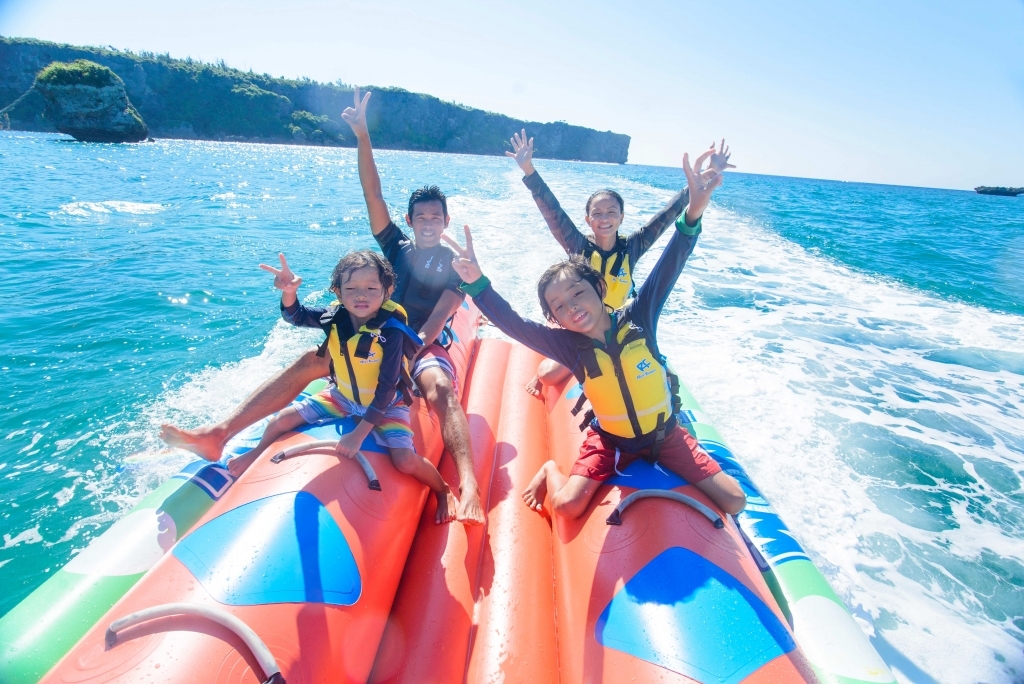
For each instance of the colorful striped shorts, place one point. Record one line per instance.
(394, 431)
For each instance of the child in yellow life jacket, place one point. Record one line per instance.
(614, 355)
(612, 255)
(368, 340)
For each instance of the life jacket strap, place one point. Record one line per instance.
(351, 370)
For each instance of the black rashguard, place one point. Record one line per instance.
(575, 242)
(563, 345)
(421, 274)
(390, 365)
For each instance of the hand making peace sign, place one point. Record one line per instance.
(284, 280)
(355, 116)
(465, 263)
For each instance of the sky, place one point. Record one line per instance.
(883, 91)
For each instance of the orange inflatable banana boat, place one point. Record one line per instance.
(290, 576)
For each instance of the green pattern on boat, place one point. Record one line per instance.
(825, 630)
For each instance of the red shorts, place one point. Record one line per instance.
(679, 453)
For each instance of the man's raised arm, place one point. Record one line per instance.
(377, 208)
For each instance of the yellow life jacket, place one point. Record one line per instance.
(617, 273)
(632, 391)
(359, 358)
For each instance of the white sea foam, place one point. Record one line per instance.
(109, 207)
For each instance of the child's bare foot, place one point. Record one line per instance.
(207, 442)
(534, 494)
(240, 464)
(447, 504)
(534, 387)
(470, 511)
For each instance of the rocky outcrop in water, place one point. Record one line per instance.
(88, 101)
(1007, 192)
(188, 99)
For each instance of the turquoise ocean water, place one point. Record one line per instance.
(860, 346)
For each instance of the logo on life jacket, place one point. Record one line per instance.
(645, 369)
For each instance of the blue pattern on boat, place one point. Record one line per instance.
(688, 615)
(284, 548)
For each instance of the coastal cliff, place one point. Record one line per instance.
(189, 99)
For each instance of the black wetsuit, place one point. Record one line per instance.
(620, 283)
(421, 274)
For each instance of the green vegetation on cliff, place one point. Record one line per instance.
(79, 72)
(189, 99)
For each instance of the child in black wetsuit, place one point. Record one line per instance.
(614, 355)
(613, 255)
(368, 341)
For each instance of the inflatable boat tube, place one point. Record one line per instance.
(301, 552)
(37, 632)
(428, 632)
(826, 631)
(654, 584)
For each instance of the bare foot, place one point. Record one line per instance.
(240, 464)
(534, 387)
(207, 442)
(534, 494)
(471, 512)
(446, 506)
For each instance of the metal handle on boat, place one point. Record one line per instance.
(616, 517)
(371, 476)
(255, 645)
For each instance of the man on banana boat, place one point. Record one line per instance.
(612, 255)
(426, 286)
(614, 355)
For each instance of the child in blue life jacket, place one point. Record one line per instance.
(614, 355)
(368, 340)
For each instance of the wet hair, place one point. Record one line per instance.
(575, 267)
(606, 193)
(353, 261)
(430, 193)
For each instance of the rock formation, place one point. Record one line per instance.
(88, 101)
(1008, 192)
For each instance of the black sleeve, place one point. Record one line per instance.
(553, 343)
(650, 299)
(302, 316)
(390, 240)
(642, 240)
(559, 223)
(387, 379)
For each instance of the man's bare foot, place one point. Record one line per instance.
(535, 492)
(471, 511)
(534, 387)
(207, 442)
(240, 464)
(446, 507)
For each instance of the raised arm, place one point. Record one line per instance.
(291, 310)
(654, 292)
(376, 207)
(559, 223)
(552, 343)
